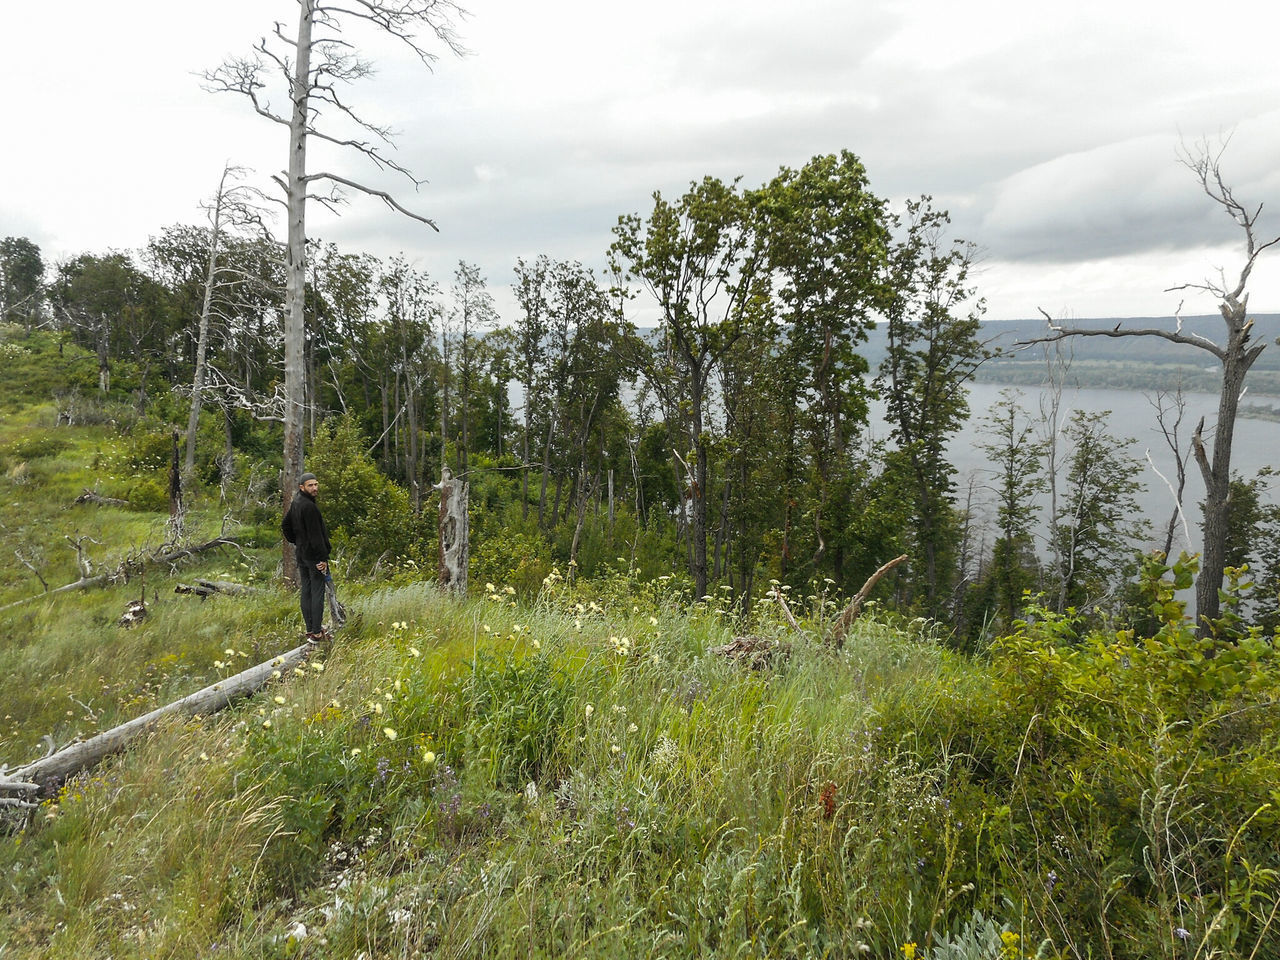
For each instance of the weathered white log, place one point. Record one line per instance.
(49, 773)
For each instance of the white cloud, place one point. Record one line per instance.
(1051, 134)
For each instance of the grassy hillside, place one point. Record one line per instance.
(575, 771)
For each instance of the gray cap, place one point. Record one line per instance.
(305, 477)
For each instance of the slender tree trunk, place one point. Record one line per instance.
(722, 533)
(295, 272)
(411, 461)
(698, 533)
(555, 508)
(202, 336)
(524, 459)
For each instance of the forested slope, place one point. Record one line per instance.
(555, 768)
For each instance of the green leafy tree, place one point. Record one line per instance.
(934, 350)
(825, 239)
(21, 281)
(1016, 480)
(531, 329)
(1099, 522)
(111, 307)
(368, 515)
(697, 258)
(473, 314)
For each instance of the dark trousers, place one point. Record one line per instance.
(311, 594)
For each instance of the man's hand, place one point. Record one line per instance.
(322, 567)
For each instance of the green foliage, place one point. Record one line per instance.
(933, 351)
(366, 513)
(519, 712)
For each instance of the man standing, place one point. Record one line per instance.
(312, 541)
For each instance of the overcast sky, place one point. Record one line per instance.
(1050, 131)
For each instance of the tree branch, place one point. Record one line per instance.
(382, 195)
(1062, 333)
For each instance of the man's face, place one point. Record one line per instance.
(312, 487)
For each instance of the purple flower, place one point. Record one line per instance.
(1183, 934)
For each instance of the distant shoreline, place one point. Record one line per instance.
(1264, 385)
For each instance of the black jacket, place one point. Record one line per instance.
(309, 533)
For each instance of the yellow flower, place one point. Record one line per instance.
(388, 733)
(614, 748)
(589, 711)
(415, 652)
(428, 757)
(278, 699)
(909, 950)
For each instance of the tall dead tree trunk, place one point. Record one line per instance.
(1236, 355)
(315, 65)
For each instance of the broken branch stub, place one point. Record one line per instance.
(854, 610)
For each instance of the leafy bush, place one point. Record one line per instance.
(363, 509)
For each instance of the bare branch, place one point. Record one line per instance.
(382, 195)
(1061, 333)
(399, 19)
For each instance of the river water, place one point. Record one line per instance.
(1131, 414)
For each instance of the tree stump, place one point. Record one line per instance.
(454, 531)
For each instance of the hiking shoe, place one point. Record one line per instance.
(314, 637)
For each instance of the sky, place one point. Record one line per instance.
(1051, 132)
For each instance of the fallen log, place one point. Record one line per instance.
(758, 653)
(46, 775)
(205, 588)
(127, 568)
(92, 496)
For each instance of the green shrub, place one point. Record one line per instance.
(366, 510)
